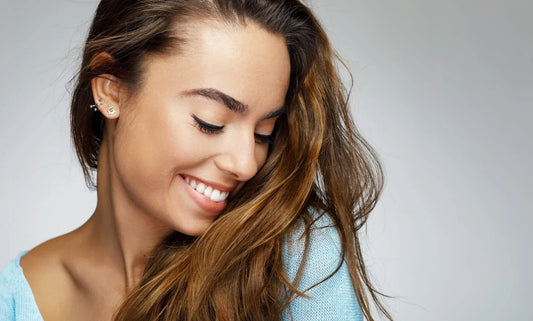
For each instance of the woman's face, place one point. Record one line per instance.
(198, 127)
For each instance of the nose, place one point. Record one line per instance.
(239, 159)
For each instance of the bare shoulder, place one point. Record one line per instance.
(69, 281)
(49, 279)
(46, 261)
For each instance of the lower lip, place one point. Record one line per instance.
(204, 202)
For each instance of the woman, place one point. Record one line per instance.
(231, 181)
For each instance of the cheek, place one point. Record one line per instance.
(261, 154)
(153, 146)
(142, 151)
(136, 157)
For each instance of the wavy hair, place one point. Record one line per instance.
(234, 271)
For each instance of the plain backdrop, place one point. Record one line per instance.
(442, 89)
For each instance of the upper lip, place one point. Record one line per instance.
(218, 186)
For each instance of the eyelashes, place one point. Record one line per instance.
(211, 129)
(264, 139)
(206, 127)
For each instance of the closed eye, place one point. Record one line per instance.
(212, 129)
(264, 139)
(206, 127)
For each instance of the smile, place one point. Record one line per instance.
(214, 194)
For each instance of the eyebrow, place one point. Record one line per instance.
(228, 101)
(216, 95)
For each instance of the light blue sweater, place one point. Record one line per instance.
(332, 300)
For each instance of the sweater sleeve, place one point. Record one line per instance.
(7, 303)
(16, 299)
(332, 300)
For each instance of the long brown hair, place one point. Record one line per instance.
(235, 271)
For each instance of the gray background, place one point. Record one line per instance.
(443, 90)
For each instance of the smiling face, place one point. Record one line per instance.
(199, 126)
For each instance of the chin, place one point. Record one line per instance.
(194, 228)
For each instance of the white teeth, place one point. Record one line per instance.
(200, 188)
(214, 194)
(208, 191)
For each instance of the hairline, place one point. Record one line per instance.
(177, 45)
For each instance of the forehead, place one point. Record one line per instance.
(246, 62)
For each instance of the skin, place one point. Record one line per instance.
(150, 144)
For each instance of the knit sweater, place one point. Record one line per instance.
(332, 300)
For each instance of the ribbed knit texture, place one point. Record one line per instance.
(16, 299)
(332, 300)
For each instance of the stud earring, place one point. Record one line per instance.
(94, 107)
(111, 111)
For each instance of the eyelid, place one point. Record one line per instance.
(268, 139)
(206, 127)
(211, 129)
(265, 139)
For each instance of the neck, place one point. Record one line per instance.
(121, 232)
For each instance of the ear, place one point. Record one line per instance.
(105, 88)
